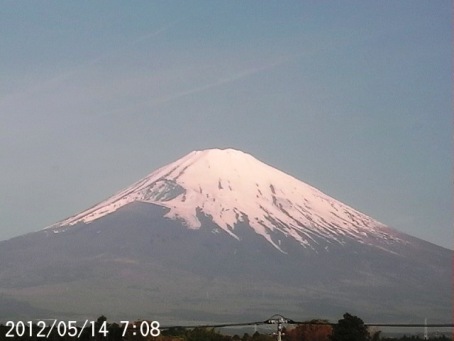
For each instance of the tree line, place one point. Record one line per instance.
(349, 328)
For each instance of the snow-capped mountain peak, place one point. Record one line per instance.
(231, 187)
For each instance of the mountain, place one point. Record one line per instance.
(220, 236)
(231, 187)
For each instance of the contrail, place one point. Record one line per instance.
(55, 80)
(157, 32)
(225, 80)
(99, 58)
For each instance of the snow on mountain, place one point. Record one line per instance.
(233, 187)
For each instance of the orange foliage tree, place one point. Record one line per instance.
(315, 330)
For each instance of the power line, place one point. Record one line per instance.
(278, 319)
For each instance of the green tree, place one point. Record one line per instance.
(350, 328)
(115, 332)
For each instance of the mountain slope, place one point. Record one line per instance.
(220, 236)
(231, 186)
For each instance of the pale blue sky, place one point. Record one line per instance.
(352, 97)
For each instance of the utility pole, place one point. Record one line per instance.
(426, 334)
(279, 331)
(279, 320)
